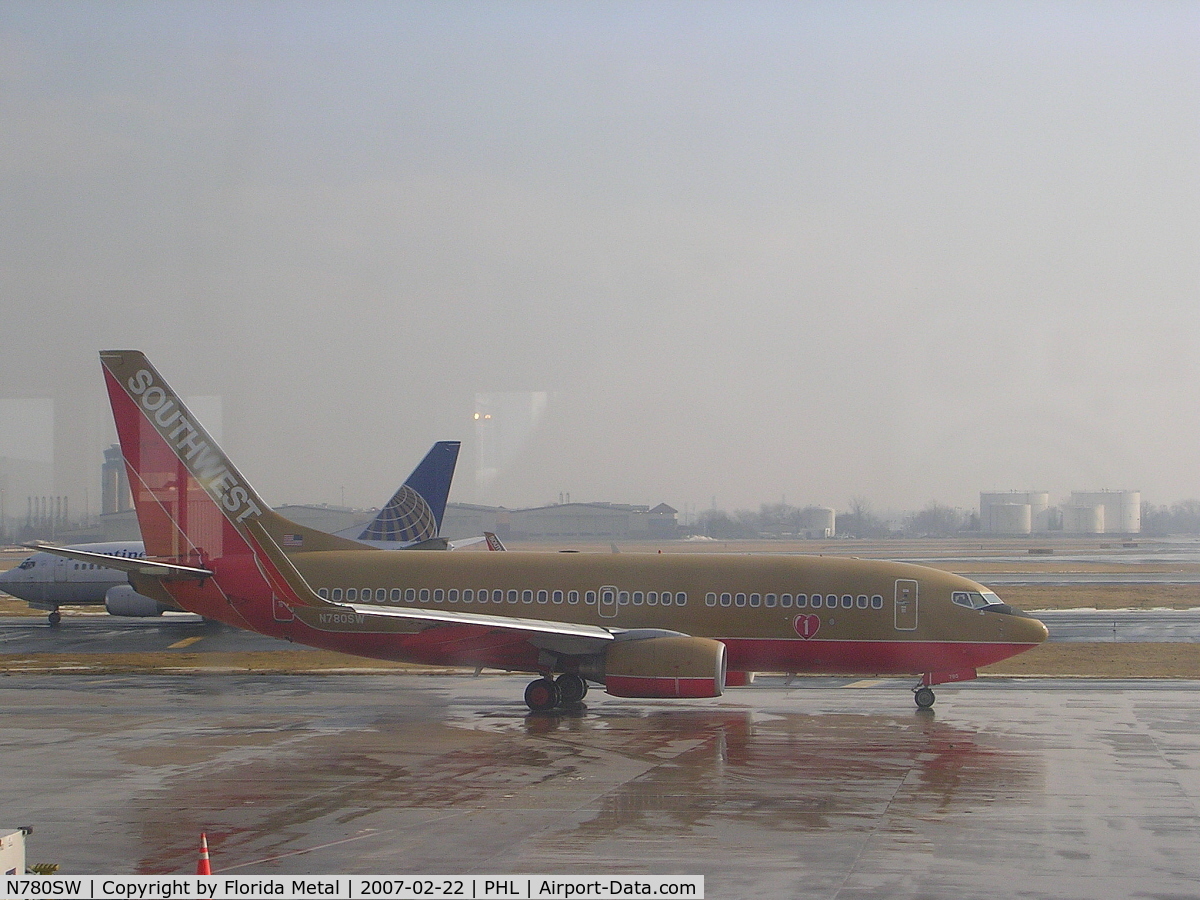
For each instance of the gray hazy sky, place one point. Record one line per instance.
(908, 251)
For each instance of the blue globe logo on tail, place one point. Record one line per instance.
(407, 517)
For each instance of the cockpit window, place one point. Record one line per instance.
(975, 599)
(28, 563)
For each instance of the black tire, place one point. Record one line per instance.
(571, 688)
(924, 697)
(542, 695)
(54, 617)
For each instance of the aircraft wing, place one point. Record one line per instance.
(565, 637)
(141, 566)
(508, 623)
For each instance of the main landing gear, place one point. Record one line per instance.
(547, 693)
(924, 696)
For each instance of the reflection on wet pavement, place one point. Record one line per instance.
(819, 789)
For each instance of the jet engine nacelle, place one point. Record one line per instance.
(123, 600)
(665, 667)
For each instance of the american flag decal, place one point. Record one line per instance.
(293, 540)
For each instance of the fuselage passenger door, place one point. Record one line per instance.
(905, 606)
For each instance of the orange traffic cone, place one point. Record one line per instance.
(202, 867)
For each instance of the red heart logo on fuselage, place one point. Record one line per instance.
(807, 626)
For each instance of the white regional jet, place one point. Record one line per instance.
(412, 519)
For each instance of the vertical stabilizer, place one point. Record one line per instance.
(415, 512)
(193, 506)
(190, 499)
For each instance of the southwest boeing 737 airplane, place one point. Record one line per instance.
(641, 625)
(412, 519)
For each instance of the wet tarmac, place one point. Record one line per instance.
(826, 788)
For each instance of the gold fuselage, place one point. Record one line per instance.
(722, 596)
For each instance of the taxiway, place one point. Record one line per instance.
(826, 788)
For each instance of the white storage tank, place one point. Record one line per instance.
(1008, 518)
(819, 522)
(1081, 518)
(1121, 511)
(994, 519)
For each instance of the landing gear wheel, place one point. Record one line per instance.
(54, 617)
(924, 697)
(542, 695)
(571, 688)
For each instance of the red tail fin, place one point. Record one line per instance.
(193, 505)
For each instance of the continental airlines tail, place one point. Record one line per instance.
(414, 514)
(642, 625)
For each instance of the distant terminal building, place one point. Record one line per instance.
(1103, 512)
(563, 520)
(1014, 512)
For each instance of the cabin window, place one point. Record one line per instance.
(438, 595)
(876, 601)
(816, 601)
(622, 598)
(666, 598)
(638, 598)
(468, 595)
(861, 601)
(770, 600)
(726, 598)
(543, 596)
(680, 599)
(573, 597)
(527, 596)
(513, 596)
(755, 599)
(380, 595)
(847, 601)
(739, 600)
(323, 593)
(424, 595)
(395, 595)
(710, 599)
(590, 598)
(410, 595)
(452, 595)
(337, 594)
(786, 600)
(558, 597)
(652, 598)
(351, 593)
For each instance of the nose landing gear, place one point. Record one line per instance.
(924, 696)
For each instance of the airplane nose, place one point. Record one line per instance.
(1032, 631)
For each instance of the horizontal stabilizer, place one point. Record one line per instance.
(126, 563)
